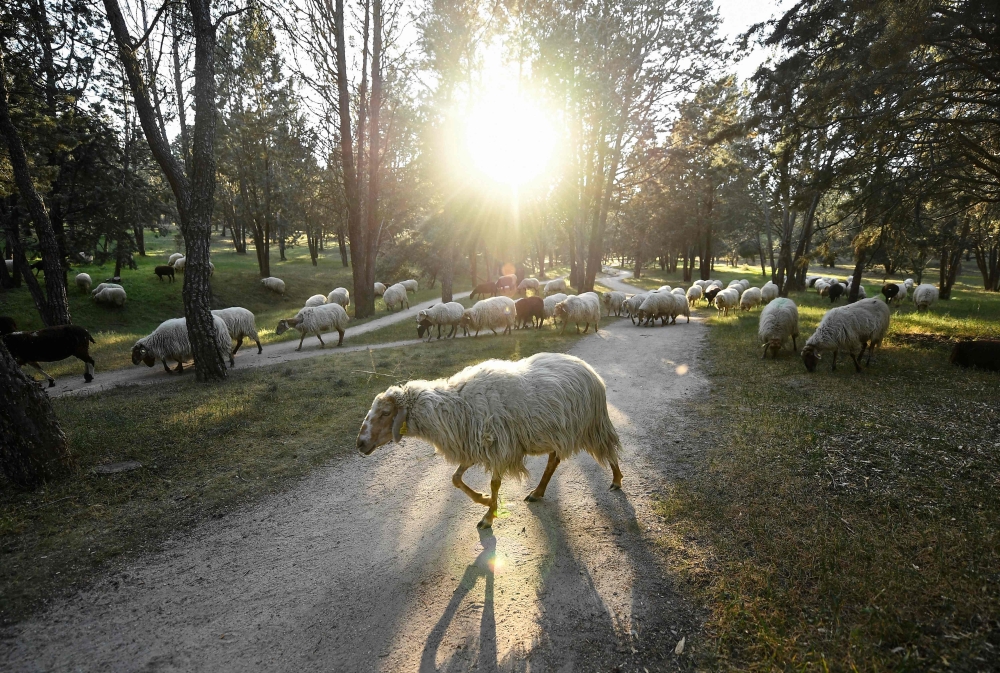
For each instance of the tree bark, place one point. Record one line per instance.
(365, 305)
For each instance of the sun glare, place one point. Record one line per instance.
(510, 142)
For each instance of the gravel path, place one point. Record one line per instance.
(375, 563)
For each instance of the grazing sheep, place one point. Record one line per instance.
(179, 263)
(174, 257)
(113, 296)
(694, 293)
(449, 313)
(851, 328)
(750, 299)
(529, 284)
(83, 281)
(340, 296)
(613, 302)
(273, 284)
(711, 293)
(811, 280)
(726, 300)
(101, 287)
(164, 270)
(507, 283)
(981, 353)
(529, 308)
(315, 300)
(778, 321)
(632, 304)
(703, 284)
(745, 284)
(395, 295)
(410, 285)
(495, 413)
(924, 296)
(768, 293)
(664, 288)
(822, 287)
(679, 291)
(379, 289)
(241, 325)
(169, 341)
(657, 305)
(890, 291)
(555, 285)
(583, 308)
(316, 320)
(51, 344)
(835, 291)
(7, 325)
(550, 304)
(492, 314)
(484, 289)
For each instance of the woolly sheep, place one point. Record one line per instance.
(703, 284)
(694, 293)
(529, 284)
(745, 284)
(103, 286)
(851, 328)
(174, 257)
(115, 296)
(632, 304)
(395, 295)
(379, 289)
(340, 296)
(727, 299)
(550, 303)
(681, 307)
(657, 305)
(315, 300)
(924, 296)
(410, 285)
(316, 320)
(778, 321)
(822, 287)
(680, 291)
(612, 302)
(49, 344)
(664, 288)
(180, 263)
(557, 285)
(734, 283)
(241, 325)
(83, 281)
(508, 282)
(768, 293)
(170, 341)
(583, 308)
(449, 314)
(492, 313)
(273, 284)
(495, 413)
(750, 299)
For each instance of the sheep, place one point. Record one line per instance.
(694, 293)
(51, 344)
(745, 284)
(811, 280)
(115, 296)
(750, 299)
(556, 285)
(734, 283)
(241, 324)
(449, 313)
(703, 284)
(632, 304)
(273, 284)
(164, 270)
(778, 321)
(507, 283)
(83, 281)
(410, 285)
(530, 308)
(379, 289)
(169, 341)
(982, 353)
(711, 293)
(492, 314)
(174, 257)
(484, 289)
(316, 320)
(680, 291)
(180, 263)
(835, 290)
(395, 295)
(7, 325)
(715, 283)
(890, 291)
(664, 288)
(657, 305)
(529, 284)
(727, 299)
(681, 307)
(822, 287)
(768, 293)
(583, 308)
(315, 300)
(550, 304)
(495, 413)
(851, 328)
(924, 296)
(103, 286)
(340, 296)
(613, 302)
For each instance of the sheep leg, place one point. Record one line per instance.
(165, 367)
(857, 367)
(833, 368)
(795, 346)
(340, 341)
(539, 491)
(585, 328)
(439, 331)
(322, 344)
(616, 478)
(300, 341)
(239, 342)
(52, 381)
(491, 513)
(767, 347)
(260, 349)
(180, 367)
(456, 480)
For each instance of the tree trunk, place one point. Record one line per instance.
(474, 259)
(637, 269)
(343, 247)
(365, 299)
(951, 263)
(179, 88)
(859, 267)
(800, 267)
(447, 271)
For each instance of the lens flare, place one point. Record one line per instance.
(510, 142)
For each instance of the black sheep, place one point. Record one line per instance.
(164, 270)
(711, 292)
(529, 307)
(835, 291)
(982, 353)
(889, 291)
(51, 344)
(484, 289)
(7, 325)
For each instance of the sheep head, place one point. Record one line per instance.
(384, 421)
(560, 310)
(140, 354)
(285, 325)
(423, 325)
(810, 357)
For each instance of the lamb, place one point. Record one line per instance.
(694, 293)
(484, 289)
(584, 308)
(497, 412)
(778, 321)
(115, 296)
(340, 296)
(492, 314)
(727, 299)
(550, 303)
(410, 285)
(507, 283)
(768, 293)
(529, 284)
(315, 300)
(164, 270)
(273, 284)
(924, 296)
(530, 308)
(180, 263)
(379, 289)
(851, 328)
(316, 320)
(750, 299)
(395, 295)
(555, 286)
(449, 314)
(613, 302)
(241, 324)
(51, 344)
(83, 281)
(174, 257)
(169, 341)
(982, 353)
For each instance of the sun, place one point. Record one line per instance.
(509, 141)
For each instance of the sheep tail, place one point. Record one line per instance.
(604, 441)
(89, 338)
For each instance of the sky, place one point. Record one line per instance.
(738, 16)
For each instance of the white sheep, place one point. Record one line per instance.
(340, 296)
(529, 284)
(681, 307)
(316, 320)
(410, 285)
(664, 288)
(315, 300)
(822, 287)
(379, 289)
(745, 284)
(750, 299)
(273, 284)
(632, 304)
(924, 296)
(115, 296)
(447, 314)
(170, 341)
(554, 286)
(612, 302)
(703, 284)
(694, 293)
(768, 293)
(241, 324)
(495, 413)
(778, 321)
(103, 286)
(179, 264)
(83, 281)
(852, 328)
(550, 303)
(582, 308)
(174, 257)
(657, 305)
(395, 295)
(492, 313)
(727, 299)
(680, 291)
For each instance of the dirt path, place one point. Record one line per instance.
(247, 357)
(375, 564)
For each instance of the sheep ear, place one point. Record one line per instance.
(397, 424)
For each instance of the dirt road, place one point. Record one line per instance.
(375, 563)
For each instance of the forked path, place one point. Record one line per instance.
(375, 563)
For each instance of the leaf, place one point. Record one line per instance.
(680, 646)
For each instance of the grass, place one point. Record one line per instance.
(846, 521)
(203, 454)
(236, 283)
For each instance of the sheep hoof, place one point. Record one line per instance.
(531, 497)
(615, 487)
(52, 384)
(485, 523)
(87, 378)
